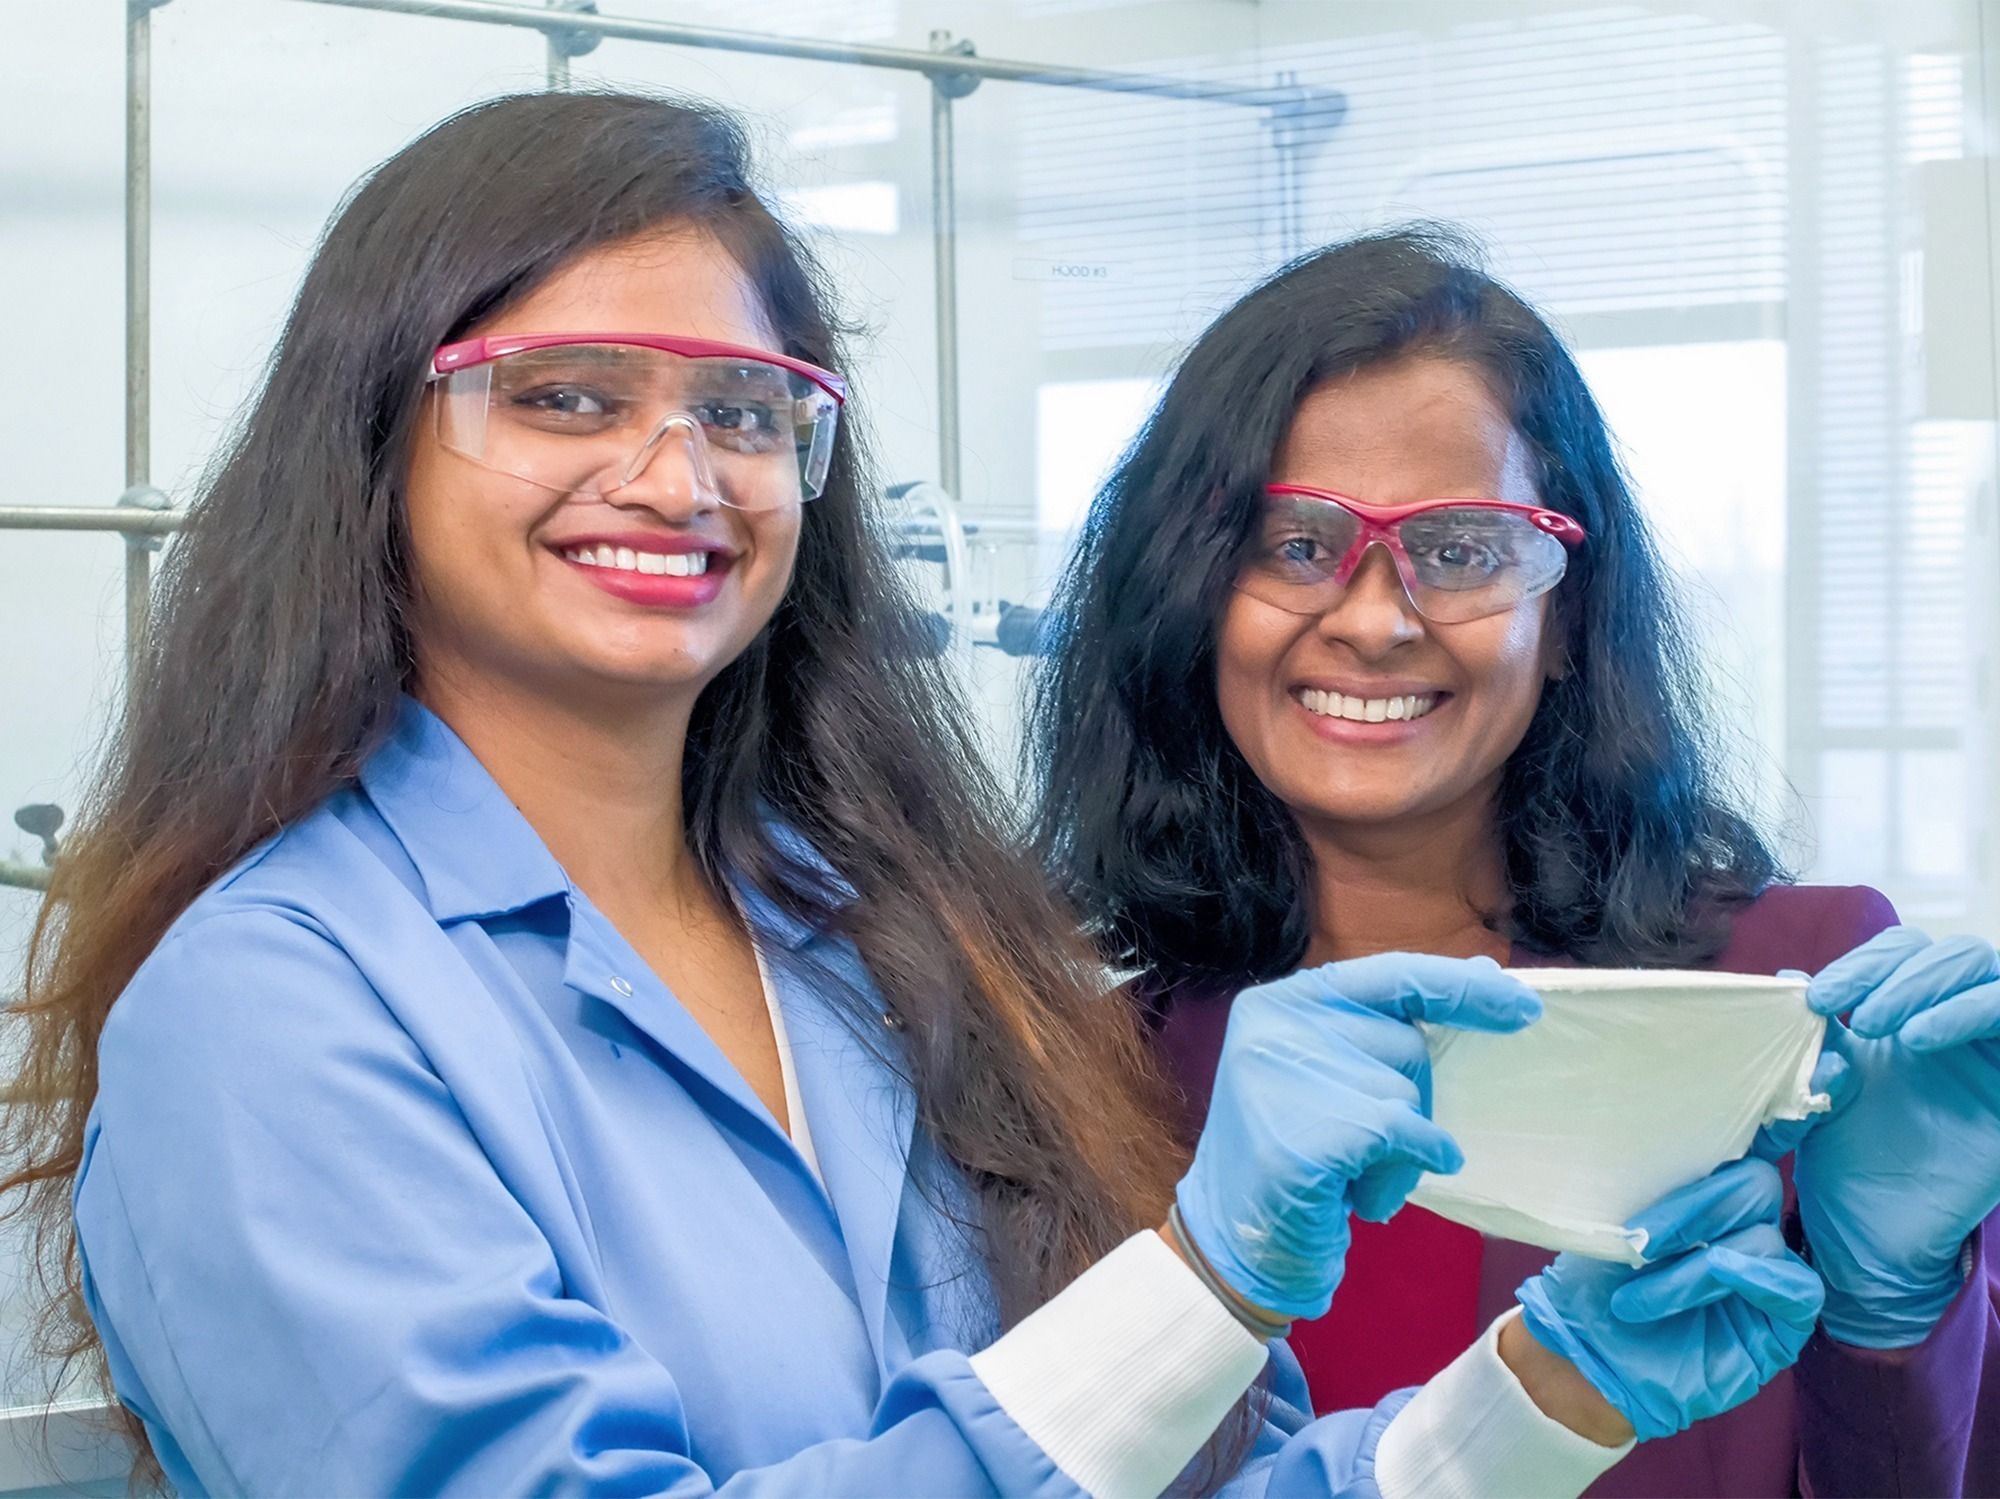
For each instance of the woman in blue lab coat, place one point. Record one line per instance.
(540, 1003)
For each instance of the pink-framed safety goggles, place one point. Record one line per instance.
(588, 413)
(1459, 559)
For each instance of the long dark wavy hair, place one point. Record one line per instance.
(280, 649)
(1622, 846)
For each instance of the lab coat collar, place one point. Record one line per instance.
(474, 851)
(479, 858)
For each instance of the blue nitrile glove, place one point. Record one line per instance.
(1321, 1107)
(1831, 1076)
(1891, 1185)
(1720, 1306)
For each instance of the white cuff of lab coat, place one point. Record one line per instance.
(1123, 1375)
(1474, 1433)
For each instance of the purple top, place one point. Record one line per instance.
(1845, 1421)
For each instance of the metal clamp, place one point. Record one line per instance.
(1303, 115)
(145, 497)
(572, 41)
(41, 821)
(952, 85)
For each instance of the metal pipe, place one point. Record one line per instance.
(500, 13)
(138, 594)
(1286, 145)
(93, 518)
(166, 522)
(566, 43)
(138, 304)
(987, 526)
(944, 259)
(138, 238)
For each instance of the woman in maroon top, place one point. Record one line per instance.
(1300, 712)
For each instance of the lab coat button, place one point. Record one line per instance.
(621, 986)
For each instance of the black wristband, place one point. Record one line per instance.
(1263, 1327)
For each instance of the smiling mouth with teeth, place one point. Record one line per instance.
(655, 564)
(1366, 709)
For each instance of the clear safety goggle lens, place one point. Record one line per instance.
(1457, 562)
(589, 419)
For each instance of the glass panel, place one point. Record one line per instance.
(1851, 814)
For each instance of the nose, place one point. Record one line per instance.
(1374, 613)
(671, 474)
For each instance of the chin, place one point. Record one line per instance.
(1360, 807)
(596, 675)
(663, 676)
(655, 656)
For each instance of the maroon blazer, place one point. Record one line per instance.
(1917, 1421)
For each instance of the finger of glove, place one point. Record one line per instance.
(1287, 1035)
(1840, 1041)
(1752, 1265)
(1404, 1138)
(1969, 1015)
(1404, 1146)
(1380, 1192)
(1688, 1280)
(1781, 1286)
(1731, 1197)
(1365, 1123)
(1833, 1077)
(1924, 980)
(1469, 993)
(1394, 1043)
(1413, 1138)
(1847, 980)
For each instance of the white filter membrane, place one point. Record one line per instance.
(1633, 1083)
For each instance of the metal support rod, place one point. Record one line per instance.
(1297, 128)
(1291, 193)
(138, 304)
(537, 18)
(565, 42)
(944, 257)
(1285, 146)
(91, 518)
(139, 548)
(165, 522)
(138, 596)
